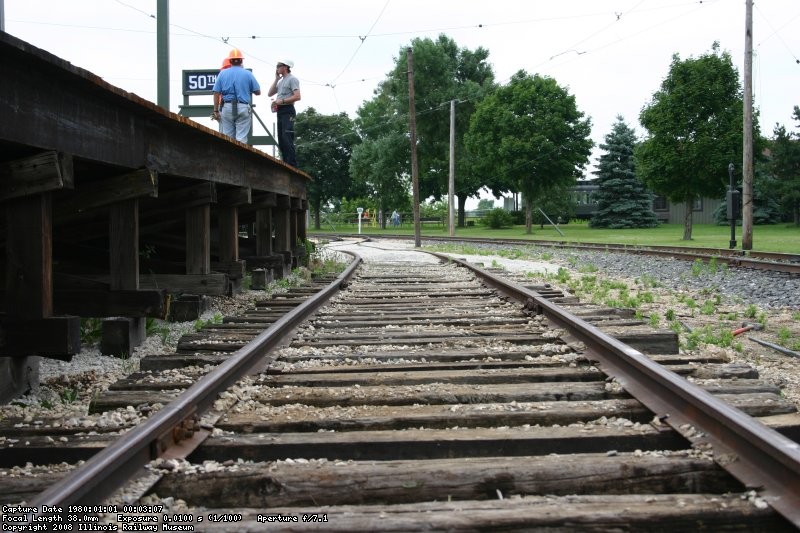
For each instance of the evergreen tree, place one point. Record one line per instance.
(622, 199)
(786, 168)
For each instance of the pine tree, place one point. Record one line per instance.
(622, 199)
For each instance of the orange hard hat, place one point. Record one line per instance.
(235, 54)
(226, 63)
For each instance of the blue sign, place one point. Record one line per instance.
(199, 81)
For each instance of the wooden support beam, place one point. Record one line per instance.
(214, 283)
(56, 337)
(172, 202)
(29, 257)
(93, 298)
(262, 200)
(264, 232)
(280, 219)
(99, 303)
(234, 269)
(124, 245)
(116, 189)
(267, 262)
(234, 196)
(228, 218)
(45, 172)
(198, 240)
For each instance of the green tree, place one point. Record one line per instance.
(622, 199)
(785, 166)
(529, 137)
(442, 72)
(375, 172)
(694, 125)
(324, 145)
(485, 204)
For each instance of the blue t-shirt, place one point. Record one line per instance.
(236, 83)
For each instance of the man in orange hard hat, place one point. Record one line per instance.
(226, 63)
(233, 92)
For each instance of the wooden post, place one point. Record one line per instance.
(124, 245)
(228, 234)
(452, 177)
(412, 124)
(264, 232)
(198, 240)
(29, 257)
(747, 148)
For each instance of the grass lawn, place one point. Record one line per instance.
(774, 238)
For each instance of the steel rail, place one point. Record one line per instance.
(111, 467)
(761, 458)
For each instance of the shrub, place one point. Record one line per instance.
(498, 218)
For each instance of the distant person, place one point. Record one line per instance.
(395, 218)
(233, 91)
(286, 87)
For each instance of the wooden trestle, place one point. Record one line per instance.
(111, 206)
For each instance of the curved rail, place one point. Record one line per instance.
(110, 468)
(771, 261)
(758, 456)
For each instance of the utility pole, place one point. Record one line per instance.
(747, 148)
(162, 53)
(451, 189)
(412, 125)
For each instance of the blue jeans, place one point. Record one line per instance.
(237, 126)
(286, 116)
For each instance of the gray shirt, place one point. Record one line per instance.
(287, 86)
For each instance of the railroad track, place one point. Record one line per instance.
(423, 398)
(786, 263)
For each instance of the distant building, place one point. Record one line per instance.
(666, 211)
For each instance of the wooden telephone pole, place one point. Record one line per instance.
(747, 131)
(412, 125)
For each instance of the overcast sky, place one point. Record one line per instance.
(611, 54)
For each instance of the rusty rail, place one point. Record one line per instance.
(110, 468)
(759, 457)
(770, 261)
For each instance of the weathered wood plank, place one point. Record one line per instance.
(285, 484)
(131, 186)
(436, 444)
(376, 379)
(37, 174)
(629, 513)
(214, 283)
(98, 303)
(298, 417)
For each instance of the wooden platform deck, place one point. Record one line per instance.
(111, 206)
